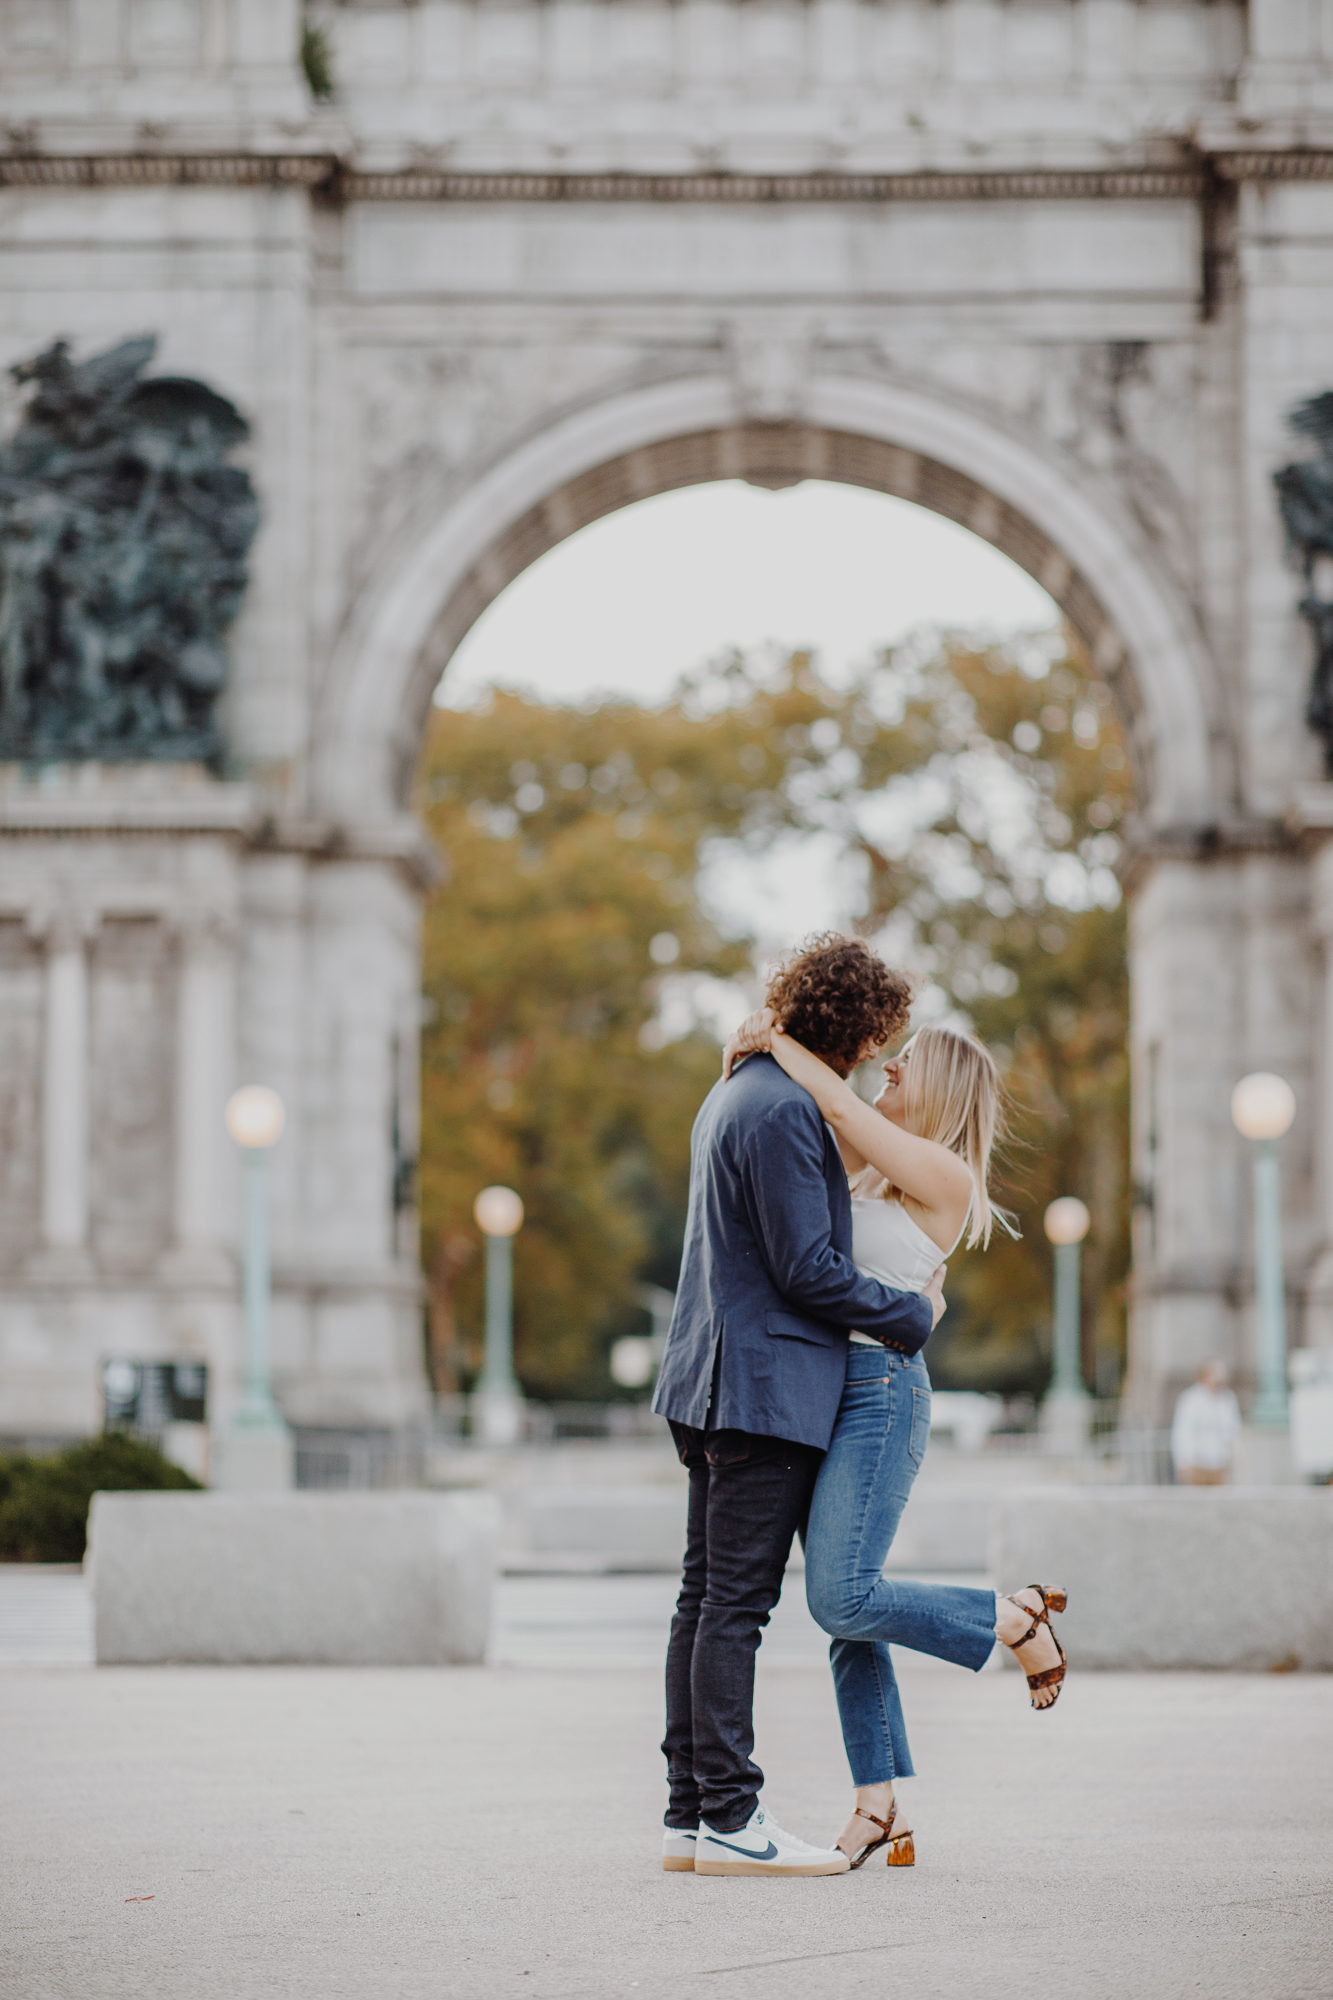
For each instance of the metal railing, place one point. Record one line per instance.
(336, 1461)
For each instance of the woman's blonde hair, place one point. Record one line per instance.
(955, 1097)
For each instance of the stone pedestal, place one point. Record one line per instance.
(246, 1458)
(497, 1416)
(348, 1579)
(158, 947)
(1212, 1576)
(1066, 1422)
(1263, 1458)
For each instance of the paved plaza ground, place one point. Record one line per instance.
(314, 1832)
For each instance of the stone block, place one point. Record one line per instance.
(350, 1579)
(942, 1531)
(632, 1526)
(1231, 1577)
(255, 1458)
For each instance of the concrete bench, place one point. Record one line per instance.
(1162, 1576)
(351, 1579)
(644, 1527)
(633, 1526)
(943, 1531)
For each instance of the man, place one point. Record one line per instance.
(1204, 1429)
(751, 1380)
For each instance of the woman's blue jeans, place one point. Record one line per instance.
(878, 1444)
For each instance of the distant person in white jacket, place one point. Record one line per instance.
(1203, 1432)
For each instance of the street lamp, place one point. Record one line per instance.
(497, 1401)
(1066, 1411)
(1262, 1108)
(257, 1453)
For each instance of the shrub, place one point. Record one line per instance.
(44, 1501)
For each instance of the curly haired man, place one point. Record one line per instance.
(750, 1384)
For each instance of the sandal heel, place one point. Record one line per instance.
(902, 1852)
(1052, 1599)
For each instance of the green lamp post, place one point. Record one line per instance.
(257, 1453)
(1262, 1108)
(497, 1400)
(1066, 1410)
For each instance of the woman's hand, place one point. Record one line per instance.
(753, 1037)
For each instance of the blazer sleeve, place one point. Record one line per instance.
(782, 1175)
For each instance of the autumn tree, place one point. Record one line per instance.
(975, 796)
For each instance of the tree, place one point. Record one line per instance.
(573, 840)
(983, 790)
(976, 792)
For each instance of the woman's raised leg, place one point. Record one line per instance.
(864, 1483)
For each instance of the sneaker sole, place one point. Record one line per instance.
(839, 1867)
(675, 1864)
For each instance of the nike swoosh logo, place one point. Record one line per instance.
(750, 1853)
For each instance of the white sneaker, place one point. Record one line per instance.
(762, 1848)
(678, 1848)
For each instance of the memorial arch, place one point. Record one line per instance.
(1142, 635)
(1060, 278)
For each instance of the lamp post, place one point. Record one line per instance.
(257, 1453)
(497, 1401)
(1067, 1409)
(1262, 1108)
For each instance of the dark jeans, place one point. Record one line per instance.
(748, 1497)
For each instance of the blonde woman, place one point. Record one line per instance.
(918, 1161)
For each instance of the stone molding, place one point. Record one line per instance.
(98, 170)
(1127, 183)
(1204, 840)
(328, 176)
(890, 437)
(1309, 819)
(204, 807)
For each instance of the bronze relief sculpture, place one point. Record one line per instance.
(124, 532)
(1305, 495)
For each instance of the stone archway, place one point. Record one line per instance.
(1050, 516)
(1141, 633)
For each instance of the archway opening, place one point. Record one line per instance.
(774, 456)
(600, 862)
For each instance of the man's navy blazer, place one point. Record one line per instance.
(767, 1269)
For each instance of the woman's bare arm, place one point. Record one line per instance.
(928, 1172)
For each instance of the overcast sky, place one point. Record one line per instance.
(638, 598)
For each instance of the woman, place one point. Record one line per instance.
(919, 1162)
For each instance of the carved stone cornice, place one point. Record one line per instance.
(1220, 839)
(1309, 820)
(341, 181)
(72, 809)
(1002, 184)
(93, 170)
(1299, 163)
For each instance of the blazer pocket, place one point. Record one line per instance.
(788, 1326)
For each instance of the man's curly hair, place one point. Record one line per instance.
(836, 998)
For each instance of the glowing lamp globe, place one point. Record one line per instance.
(255, 1115)
(632, 1361)
(498, 1212)
(1262, 1105)
(1067, 1220)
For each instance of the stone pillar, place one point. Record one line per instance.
(205, 1042)
(65, 1092)
(1186, 1028)
(1318, 1317)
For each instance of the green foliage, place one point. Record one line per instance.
(573, 841)
(317, 61)
(975, 796)
(999, 887)
(44, 1501)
